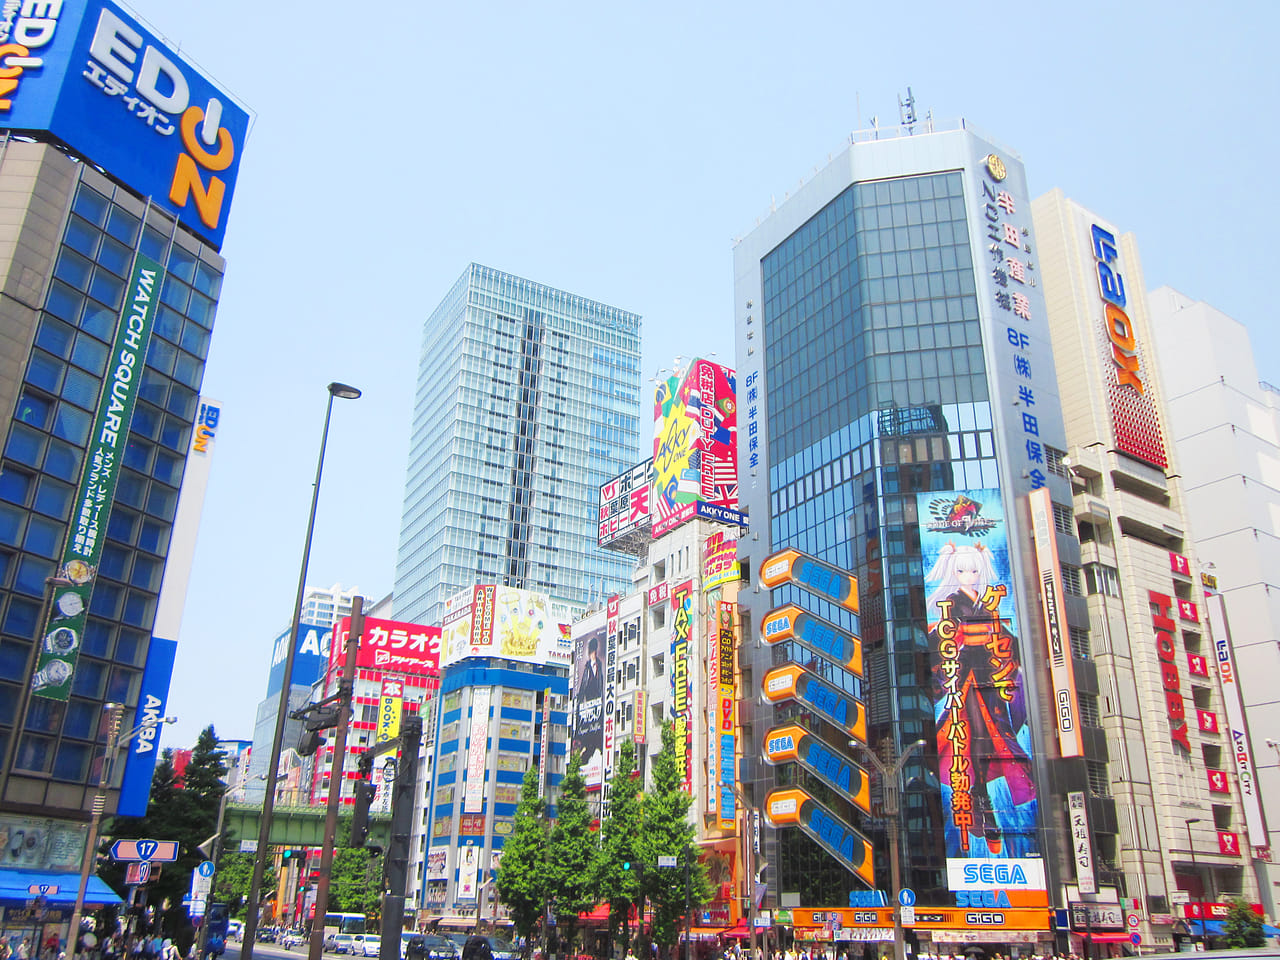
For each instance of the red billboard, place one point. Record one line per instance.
(390, 646)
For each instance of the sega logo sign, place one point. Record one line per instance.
(90, 74)
(967, 875)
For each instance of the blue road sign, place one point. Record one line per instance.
(907, 897)
(205, 869)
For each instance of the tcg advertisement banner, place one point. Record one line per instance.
(983, 732)
(88, 72)
(64, 630)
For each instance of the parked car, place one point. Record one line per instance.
(477, 946)
(340, 943)
(430, 945)
(291, 939)
(371, 946)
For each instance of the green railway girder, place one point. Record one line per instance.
(295, 826)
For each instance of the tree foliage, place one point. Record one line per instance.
(355, 882)
(522, 877)
(235, 872)
(1242, 927)
(572, 852)
(619, 864)
(668, 832)
(184, 810)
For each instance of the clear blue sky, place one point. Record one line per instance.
(615, 151)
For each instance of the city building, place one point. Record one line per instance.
(321, 609)
(1180, 840)
(505, 656)
(118, 184)
(901, 427)
(528, 400)
(1224, 423)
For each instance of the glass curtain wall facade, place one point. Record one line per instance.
(528, 400)
(879, 381)
(99, 226)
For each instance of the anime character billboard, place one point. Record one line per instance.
(980, 708)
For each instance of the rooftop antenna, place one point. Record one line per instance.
(907, 111)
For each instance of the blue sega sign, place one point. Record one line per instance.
(90, 74)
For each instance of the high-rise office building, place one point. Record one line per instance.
(1164, 657)
(900, 421)
(528, 400)
(1225, 425)
(118, 160)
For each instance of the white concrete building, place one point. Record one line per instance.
(1225, 423)
(1181, 836)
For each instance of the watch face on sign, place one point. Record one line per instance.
(995, 167)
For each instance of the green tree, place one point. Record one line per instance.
(668, 832)
(522, 876)
(355, 883)
(619, 865)
(184, 810)
(235, 871)
(1242, 927)
(572, 852)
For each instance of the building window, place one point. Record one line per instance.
(1080, 648)
(1062, 519)
(1099, 782)
(1071, 581)
(1056, 461)
(1102, 579)
(1089, 715)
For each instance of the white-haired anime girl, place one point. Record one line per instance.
(980, 710)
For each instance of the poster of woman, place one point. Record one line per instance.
(980, 710)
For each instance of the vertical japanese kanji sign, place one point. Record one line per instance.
(63, 632)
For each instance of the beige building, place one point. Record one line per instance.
(1180, 838)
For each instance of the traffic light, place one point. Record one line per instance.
(310, 742)
(626, 865)
(366, 790)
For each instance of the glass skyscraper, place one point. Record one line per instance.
(899, 409)
(528, 400)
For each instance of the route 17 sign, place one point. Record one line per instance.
(164, 851)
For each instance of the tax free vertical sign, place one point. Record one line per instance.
(63, 632)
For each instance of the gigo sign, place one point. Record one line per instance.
(90, 74)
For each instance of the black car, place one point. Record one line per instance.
(432, 946)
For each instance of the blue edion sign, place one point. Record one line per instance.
(90, 74)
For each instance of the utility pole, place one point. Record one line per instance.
(396, 861)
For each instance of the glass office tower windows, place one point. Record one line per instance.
(528, 400)
(877, 390)
(44, 454)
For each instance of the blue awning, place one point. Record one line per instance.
(1211, 928)
(16, 888)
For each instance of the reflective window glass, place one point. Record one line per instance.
(90, 354)
(63, 461)
(91, 205)
(55, 336)
(25, 445)
(45, 371)
(16, 485)
(81, 388)
(54, 498)
(73, 268)
(99, 320)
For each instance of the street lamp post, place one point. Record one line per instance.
(748, 862)
(114, 742)
(890, 786)
(344, 392)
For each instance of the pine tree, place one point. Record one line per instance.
(668, 832)
(620, 866)
(572, 852)
(522, 876)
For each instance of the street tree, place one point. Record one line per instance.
(355, 881)
(522, 876)
(673, 892)
(1242, 927)
(619, 865)
(231, 883)
(572, 852)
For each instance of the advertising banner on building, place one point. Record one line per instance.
(711, 722)
(719, 561)
(983, 731)
(477, 750)
(682, 617)
(695, 454)
(544, 743)
(390, 646)
(94, 76)
(624, 503)
(1167, 650)
(612, 627)
(496, 621)
(390, 706)
(35, 843)
(1081, 844)
(144, 749)
(63, 632)
(468, 871)
(309, 661)
(1240, 749)
(726, 718)
(1062, 676)
(1134, 417)
(588, 705)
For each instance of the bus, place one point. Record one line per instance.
(344, 923)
